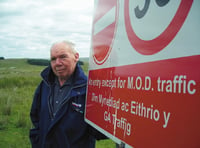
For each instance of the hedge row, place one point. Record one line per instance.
(40, 62)
(43, 62)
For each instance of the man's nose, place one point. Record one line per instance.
(58, 61)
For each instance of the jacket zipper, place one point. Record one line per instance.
(48, 100)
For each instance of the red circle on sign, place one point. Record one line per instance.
(103, 37)
(149, 47)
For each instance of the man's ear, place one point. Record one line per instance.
(76, 57)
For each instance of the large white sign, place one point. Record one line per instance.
(144, 76)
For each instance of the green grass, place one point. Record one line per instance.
(18, 81)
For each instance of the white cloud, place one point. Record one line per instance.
(28, 28)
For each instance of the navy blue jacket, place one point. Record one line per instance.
(67, 129)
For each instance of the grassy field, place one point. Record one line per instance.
(18, 81)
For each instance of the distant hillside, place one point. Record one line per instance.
(84, 59)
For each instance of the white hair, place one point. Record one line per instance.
(70, 44)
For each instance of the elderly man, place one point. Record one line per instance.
(57, 111)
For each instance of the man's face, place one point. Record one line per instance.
(63, 60)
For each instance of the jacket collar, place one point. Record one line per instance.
(78, 78)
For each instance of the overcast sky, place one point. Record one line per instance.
(29, 27)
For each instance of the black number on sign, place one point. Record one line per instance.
(161, 3)
(141, 13)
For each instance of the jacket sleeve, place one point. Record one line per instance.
(34, 115)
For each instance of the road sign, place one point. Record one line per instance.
(152, 46)
(146, 93)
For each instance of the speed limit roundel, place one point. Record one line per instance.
(135, 12)
(104, 27)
